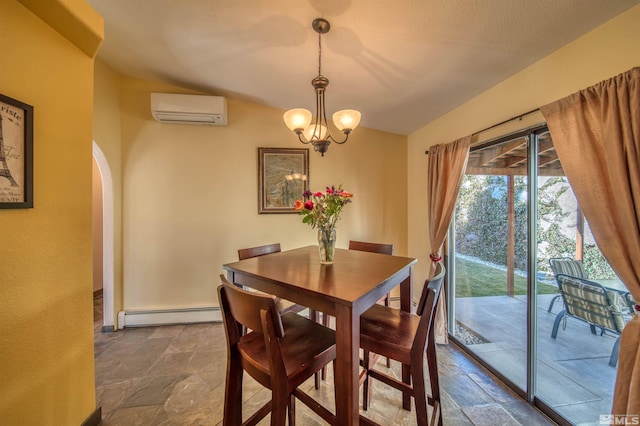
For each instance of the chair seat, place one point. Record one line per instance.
(306, 346)
(388, 332)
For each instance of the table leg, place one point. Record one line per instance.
(347, 365)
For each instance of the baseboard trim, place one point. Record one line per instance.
(108, 329)
(395, 301)
(94, 419)
(153, 317)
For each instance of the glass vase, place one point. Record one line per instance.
(326, 245)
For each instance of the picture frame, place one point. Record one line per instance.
(16, 154)
(283, 176)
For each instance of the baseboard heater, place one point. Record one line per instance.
(152, 317)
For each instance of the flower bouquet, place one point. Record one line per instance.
(322, 210)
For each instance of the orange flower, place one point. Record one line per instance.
(299, 205)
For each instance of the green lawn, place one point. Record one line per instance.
(476, 279)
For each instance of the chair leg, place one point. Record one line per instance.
(613, 359)
(419, 392)
(314, 316)
(556, 323)
(326, 319)
(292, 410)
(280, 407)
(233, 392)
(552, 302)
(367, 385)
(434, 400)
(387, 303)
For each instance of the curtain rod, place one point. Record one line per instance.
(517, 117)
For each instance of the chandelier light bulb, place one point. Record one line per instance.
(315, 132)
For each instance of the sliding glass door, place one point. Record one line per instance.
(516, 211)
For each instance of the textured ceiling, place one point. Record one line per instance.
(402, 63)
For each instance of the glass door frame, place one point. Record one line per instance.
(529, 394)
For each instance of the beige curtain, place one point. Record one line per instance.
(447, 164)
(596, 133)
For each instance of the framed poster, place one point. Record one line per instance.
(283, 176)
(16, 154)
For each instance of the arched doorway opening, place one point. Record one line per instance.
(108, 323)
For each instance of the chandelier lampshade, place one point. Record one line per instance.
(314, 130)
(297, 119)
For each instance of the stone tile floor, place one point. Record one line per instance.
(174, 375)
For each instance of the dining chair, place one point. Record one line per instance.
(404, 337)
(281, 351)
(283, 305)
(372, 248)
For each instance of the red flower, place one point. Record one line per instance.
(308, 205)
(318, 194)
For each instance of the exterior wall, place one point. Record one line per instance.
(46, 309)
(608, 50)
(189, 195)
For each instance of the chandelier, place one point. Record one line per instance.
(299, 119)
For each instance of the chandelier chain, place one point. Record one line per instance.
(319, 54)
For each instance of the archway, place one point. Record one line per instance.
(108, 323)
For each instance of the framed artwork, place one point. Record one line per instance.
(16, 154)
(283, 176)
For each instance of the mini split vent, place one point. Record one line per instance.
(189, 109)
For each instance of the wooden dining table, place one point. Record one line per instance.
(352, 284)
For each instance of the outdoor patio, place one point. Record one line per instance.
(574, 376)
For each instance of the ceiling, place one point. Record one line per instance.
(402, 63)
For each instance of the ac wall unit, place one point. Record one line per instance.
(189, 109)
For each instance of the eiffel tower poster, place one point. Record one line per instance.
(16, 159)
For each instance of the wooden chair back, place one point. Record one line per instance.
(247, 253)
(278, 360)
(246, 308)
(431, 292)
(371, 247)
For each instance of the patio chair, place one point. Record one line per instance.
(567, 266)
(594, 304)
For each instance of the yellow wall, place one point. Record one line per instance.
(189, 194)
(46, 314)
(603, 53)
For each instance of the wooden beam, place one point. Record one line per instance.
(511, 236)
